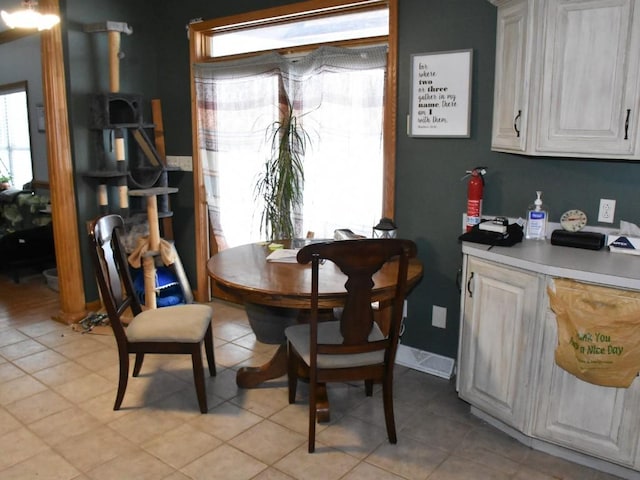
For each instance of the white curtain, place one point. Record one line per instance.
(338, 96)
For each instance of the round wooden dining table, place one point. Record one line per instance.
(245, 273)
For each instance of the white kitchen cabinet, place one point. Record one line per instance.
(601, 421)
(500, 308)
(512, 75)
(506, 356)
(567, 78)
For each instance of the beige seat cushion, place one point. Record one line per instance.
(179, 323)
(329, 332)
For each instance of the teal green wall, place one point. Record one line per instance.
(155, 65)
(430, 195)
(175, 94)
(87, 72)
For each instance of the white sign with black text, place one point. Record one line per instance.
(440, 94)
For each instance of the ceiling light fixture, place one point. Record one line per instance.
(29, 17)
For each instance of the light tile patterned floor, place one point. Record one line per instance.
(57, 388)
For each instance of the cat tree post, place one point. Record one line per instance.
(153, 240)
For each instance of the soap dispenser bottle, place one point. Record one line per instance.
(537, 218)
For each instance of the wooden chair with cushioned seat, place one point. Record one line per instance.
(169, 330)
(353, 347)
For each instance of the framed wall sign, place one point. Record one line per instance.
(440, 94)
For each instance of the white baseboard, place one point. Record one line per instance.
(423, 361)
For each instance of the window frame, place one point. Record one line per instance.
(199, 34)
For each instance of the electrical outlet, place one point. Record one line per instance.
(439, 317)
(607, 210)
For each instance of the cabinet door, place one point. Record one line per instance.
(589, 98)
(600, 421)
(511, 91)
(499, 314)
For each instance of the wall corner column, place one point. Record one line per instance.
(61, 183)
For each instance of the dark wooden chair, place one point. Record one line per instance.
(353, 347)
(169, 330)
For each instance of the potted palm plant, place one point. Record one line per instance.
(280, 189)
(281, 182)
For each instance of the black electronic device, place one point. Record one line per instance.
(512, 235)
(588, 240)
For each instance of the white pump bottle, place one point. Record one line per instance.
(537, 220)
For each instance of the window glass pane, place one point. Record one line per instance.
(309, 31)
(345, 164)
(15, 147)
(241, 150)
(341, 109)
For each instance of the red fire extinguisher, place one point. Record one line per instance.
(474, 196)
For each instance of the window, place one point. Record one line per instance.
(337, 97)
(15, 145)
(374, 25)
(299, 30)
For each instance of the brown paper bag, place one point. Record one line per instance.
(598, 332)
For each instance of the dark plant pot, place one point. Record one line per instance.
(268, 323)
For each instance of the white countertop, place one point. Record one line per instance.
(602, 266)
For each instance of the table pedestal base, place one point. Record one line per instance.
(251, 377)
(269, 323)
(278, 319)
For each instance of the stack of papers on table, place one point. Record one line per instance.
(283, 255)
